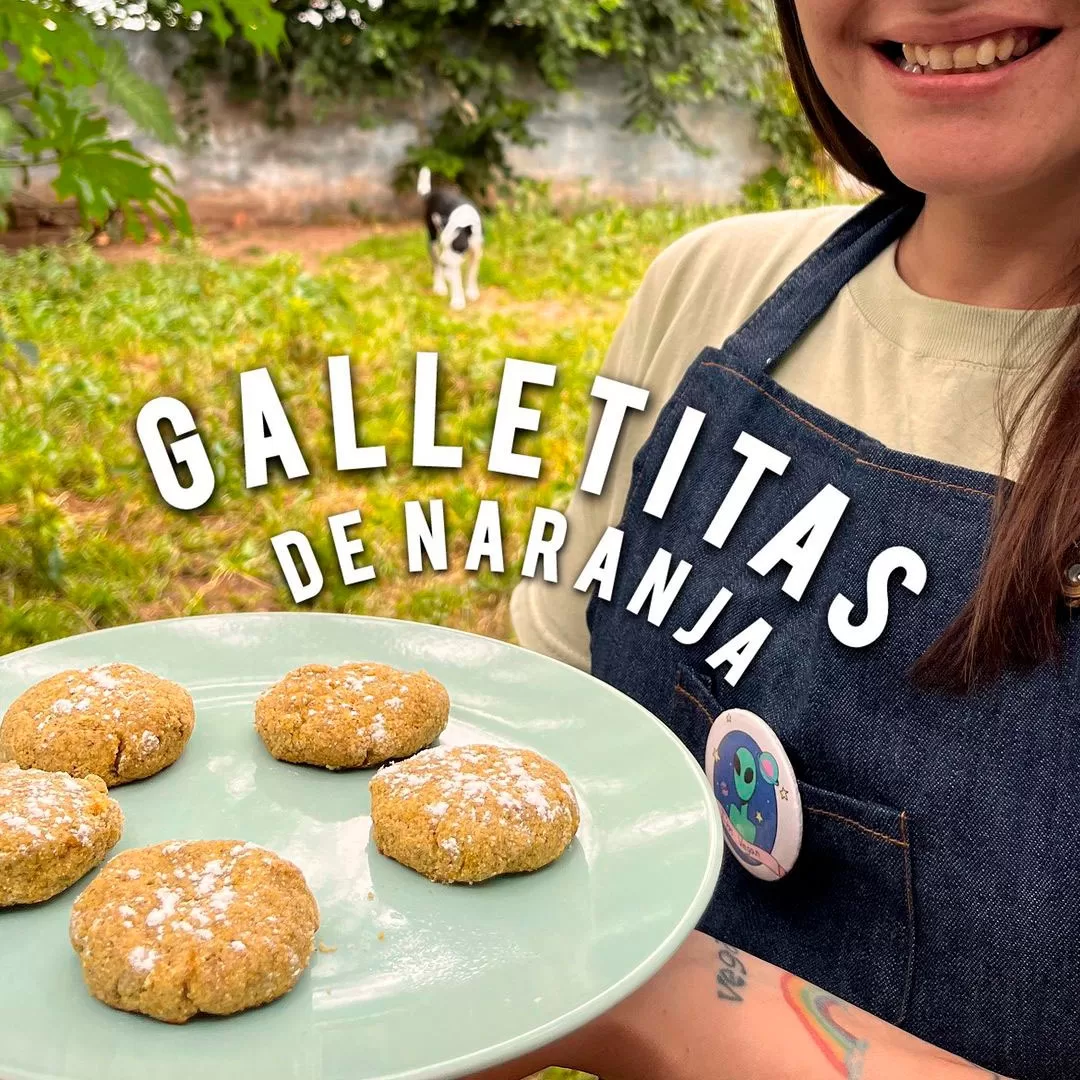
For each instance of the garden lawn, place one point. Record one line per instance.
(86, 540)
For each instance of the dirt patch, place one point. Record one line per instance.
(310, 243)
(239, 237)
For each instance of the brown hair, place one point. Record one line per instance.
(1013, 618)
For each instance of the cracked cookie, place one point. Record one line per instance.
(351, 717)
(54, 829)
(468, 813)
(115, 721)
(207, 926)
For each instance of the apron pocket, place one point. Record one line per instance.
(843, 919)
(853, 886)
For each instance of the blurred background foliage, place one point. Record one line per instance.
(60, 59)
(85, 539)
(474, 58)
(473, 55)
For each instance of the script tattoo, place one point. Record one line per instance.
(730, 975)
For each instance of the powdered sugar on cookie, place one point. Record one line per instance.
(468, 813)
(115, 721)
(352, 716)
(53, 829)
(38, 808)
(222, 925)
(483, 781)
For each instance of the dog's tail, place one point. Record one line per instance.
(423, 184)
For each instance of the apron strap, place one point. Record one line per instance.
(806, 293)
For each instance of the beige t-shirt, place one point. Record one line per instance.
(919, 375)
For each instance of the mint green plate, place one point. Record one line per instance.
(424, 980)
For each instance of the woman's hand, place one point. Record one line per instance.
(714, 1013)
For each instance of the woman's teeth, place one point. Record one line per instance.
(985, 55)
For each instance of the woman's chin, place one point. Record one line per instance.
(962, 174)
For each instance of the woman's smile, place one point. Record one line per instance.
(937, 85)
(975, 56)
(952, 70)
(973, 65)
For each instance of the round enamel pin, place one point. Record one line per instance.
(755, 787)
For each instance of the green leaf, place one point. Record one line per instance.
(8, 128)
(7, 183)
(103, 175)
(55, 44)
(141, 100)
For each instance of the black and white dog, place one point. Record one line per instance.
(455, 234)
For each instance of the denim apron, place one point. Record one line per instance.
(937, 884)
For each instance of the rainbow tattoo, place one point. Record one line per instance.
(818, 1011)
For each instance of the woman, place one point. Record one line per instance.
(832, 549)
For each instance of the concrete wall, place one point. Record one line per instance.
(316, 171)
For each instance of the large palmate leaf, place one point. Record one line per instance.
(103, 175)
(53, 53)
(142, 101)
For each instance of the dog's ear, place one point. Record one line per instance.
(436, 220)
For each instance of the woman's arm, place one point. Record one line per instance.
(714, 1013)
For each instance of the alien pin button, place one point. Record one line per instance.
(755, 788)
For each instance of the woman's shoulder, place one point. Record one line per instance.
(706, 284)
(757, 249)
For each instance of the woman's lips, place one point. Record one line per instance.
(942, 70)
(974, 56)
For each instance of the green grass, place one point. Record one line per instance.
(87, 542)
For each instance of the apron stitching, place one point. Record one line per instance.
(857, 825)
(909, 977)
(924, 479)
(687, 694)
(791, 412)
(839, 442)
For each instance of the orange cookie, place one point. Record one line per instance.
(53, 830)
(207, 926)
(351, 717)
(468, 813)
(115, 721)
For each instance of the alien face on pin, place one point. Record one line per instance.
(745, 774)
(745, 780)
(756, 792)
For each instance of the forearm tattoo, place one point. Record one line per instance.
(730, 975)
(820, 1014)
